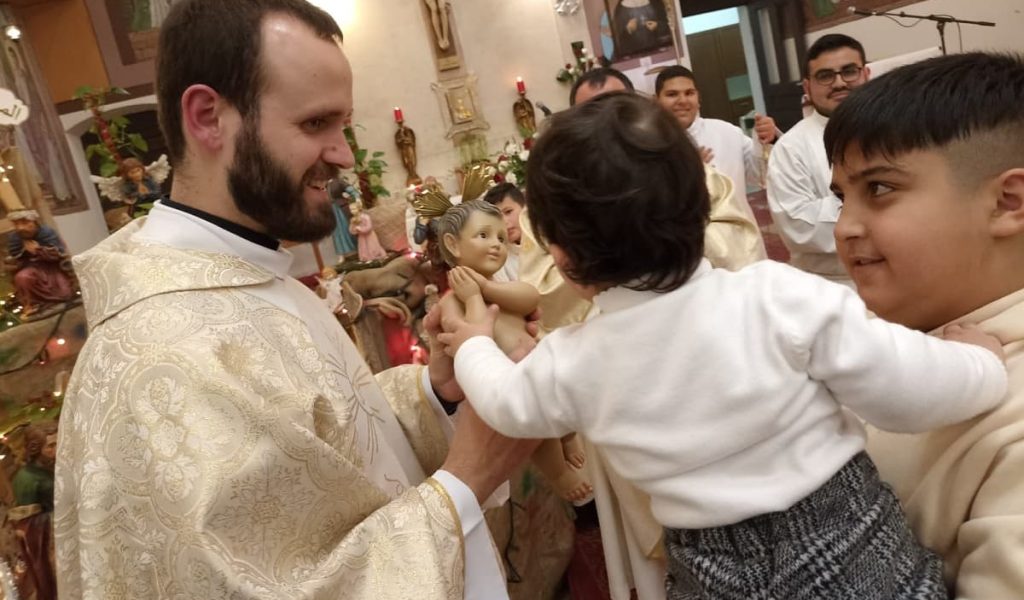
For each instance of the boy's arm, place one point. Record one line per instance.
(895, 378)
(498, 383)
(517, 399)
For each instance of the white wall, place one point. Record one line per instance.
(882, 38)
(388, 45)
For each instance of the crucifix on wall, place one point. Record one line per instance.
(446, 50)
(456, 87)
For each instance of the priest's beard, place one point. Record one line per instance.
(264, 192)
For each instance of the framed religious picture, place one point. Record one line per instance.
(627, 32)
(460, 106)
(127, 32)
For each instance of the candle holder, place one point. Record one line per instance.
(405, 140)
(524, 114)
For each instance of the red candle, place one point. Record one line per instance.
(520, 85)
(398, 115)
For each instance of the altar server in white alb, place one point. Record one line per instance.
(722, 395)
(723, 145)
(800, 197)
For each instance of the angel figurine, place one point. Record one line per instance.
(137, 186)
(470, 240)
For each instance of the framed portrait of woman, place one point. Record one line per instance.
(627, 31)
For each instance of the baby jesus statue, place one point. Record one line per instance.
(471, 241)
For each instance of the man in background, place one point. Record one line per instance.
(802, 204)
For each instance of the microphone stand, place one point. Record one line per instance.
(940, 22)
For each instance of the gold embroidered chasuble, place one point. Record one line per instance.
(213, 446)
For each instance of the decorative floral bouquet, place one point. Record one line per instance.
(584, 62)
(510, 164)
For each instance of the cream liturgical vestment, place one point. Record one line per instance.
(962, 486)
(216, 444)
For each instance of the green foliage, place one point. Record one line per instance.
(583, 63)
(372, 168)
(124, 143)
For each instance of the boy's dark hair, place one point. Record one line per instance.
(596, 78)
(219, 43)
(671, 73)
(618, 185)
(969, 105)
(504, 190)
(828, 43)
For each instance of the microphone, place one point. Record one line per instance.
(543, 108)
(853, 10)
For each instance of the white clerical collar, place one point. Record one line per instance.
(178, 229)
(621, 298)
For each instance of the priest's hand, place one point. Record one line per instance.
(481, 457)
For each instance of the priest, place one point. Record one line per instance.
(221, 436)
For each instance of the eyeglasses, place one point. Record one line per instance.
(849, 74)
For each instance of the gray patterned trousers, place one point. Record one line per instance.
(849, 540)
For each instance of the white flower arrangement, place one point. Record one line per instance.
(510, 164)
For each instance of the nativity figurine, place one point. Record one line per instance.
(361, 226)
(137, 186)
(470, 240)
(32, 514)
(40, 262)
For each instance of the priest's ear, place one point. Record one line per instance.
(208, 121)
(451, 244)
(1008, 216)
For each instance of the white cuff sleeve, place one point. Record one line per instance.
(484, 578)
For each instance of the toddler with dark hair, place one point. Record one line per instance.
(726, 396)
